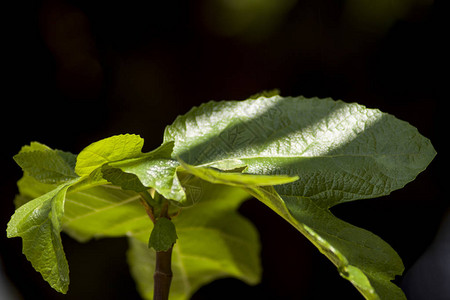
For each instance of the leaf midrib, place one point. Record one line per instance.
(95, 211)
(270, 157)
(315, 156)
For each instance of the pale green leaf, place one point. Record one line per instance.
(213, 242)
(93, 208)
(45, 164)
(151, 170)
(38, 223)
(163, 235)
(34, 146)
(104, 211)
(111, 149)
(156, 173)
(92, 180)
(30, 188)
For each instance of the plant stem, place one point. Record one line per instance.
(148, 209)
(163, 270)
(163, 275)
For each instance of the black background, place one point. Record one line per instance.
(79, 71)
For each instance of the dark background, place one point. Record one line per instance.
(79, 71)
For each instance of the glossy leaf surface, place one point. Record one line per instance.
(340, 152)
(111, 149)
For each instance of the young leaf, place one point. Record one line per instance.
(45, 164)
(38, 223)
(93, 208)
(340, 152)
(126, 181)
(111, 149)
(30, 188)
(104, 211)
(159, 174)
(213, 242)
(163, 235)
(35, 146)
(151, 170)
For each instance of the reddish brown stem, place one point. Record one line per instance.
(148, 210)
(163, 270)
(163, 275)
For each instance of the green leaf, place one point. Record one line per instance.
(150, 170)
(104, 211)
(266, 94)
(35, 146)
(160, 174)
(30, 188)
(237, 179)
(38, 223)
(93, 208)
(126, 181)
(111, 149)
(361, 257)
(45, 164)
(213, 242)
(340, 152)
(163, 235)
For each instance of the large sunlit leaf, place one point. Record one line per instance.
(340, 152)
(214, 241)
